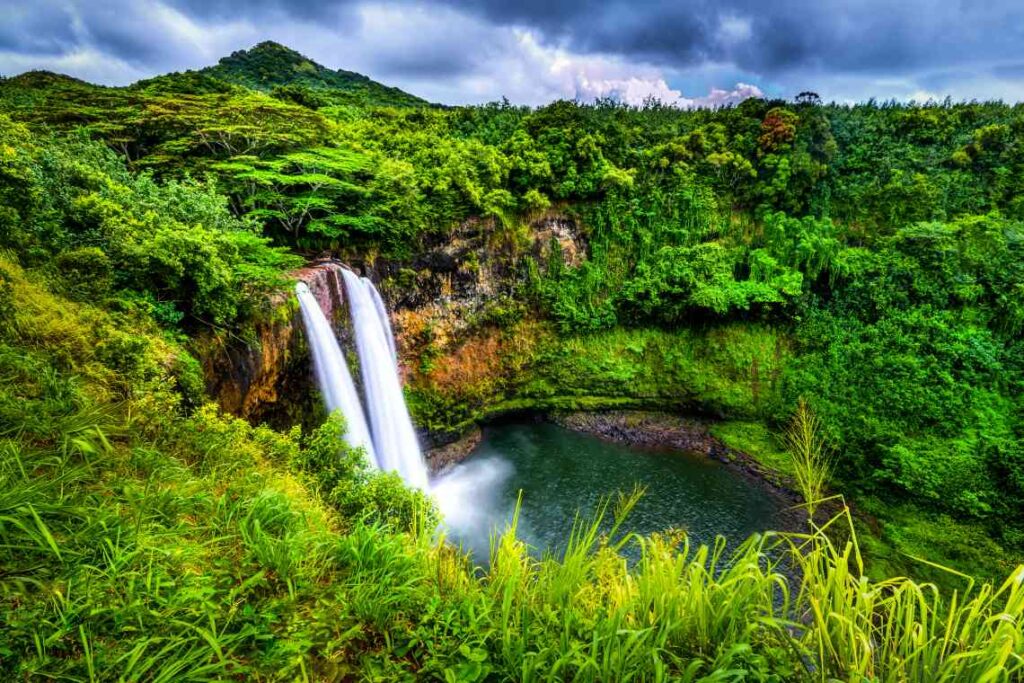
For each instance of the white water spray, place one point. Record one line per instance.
(394, 437)
(474, 502)
(332, 373)
(385, 319)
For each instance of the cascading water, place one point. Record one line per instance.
(393, 435)
(385, 319)
(332, 373)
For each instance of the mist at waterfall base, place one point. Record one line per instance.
(390, 441)
(561, 472)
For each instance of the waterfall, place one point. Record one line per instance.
(332, 373)
(385, 319)
(393, 435)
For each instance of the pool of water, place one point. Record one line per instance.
(561, 472)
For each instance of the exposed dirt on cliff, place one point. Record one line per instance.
(463, 282)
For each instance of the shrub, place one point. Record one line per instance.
(344, 479)
(84, 274)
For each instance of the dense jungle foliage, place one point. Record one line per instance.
(868, 259)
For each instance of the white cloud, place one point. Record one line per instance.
(86, 63)
(733, 30)
(528, 71)
(589, 77)
(718, 97)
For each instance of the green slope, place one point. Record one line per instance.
(269, 66)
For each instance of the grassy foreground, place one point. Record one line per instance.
(144, 540)
(141, 566)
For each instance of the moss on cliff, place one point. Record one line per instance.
(726, 370)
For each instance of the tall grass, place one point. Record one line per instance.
(812, 458)
(136, 566)
(685, 612)
(194, 558)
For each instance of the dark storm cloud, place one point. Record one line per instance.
(869, 35)
(125, 34)
(52, 27)
(439, 61)
(863, 36)
(682, 36)
(306, 10)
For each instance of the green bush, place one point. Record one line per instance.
(104, 229)
(344, 479)
(85, 274)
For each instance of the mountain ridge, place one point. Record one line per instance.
(267, 67)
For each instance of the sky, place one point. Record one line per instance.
(696, 53)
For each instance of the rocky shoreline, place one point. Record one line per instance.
(649, 429)
(442, 458)
(639, 428)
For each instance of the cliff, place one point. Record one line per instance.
(266, 378)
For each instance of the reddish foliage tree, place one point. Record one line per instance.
(777, 130)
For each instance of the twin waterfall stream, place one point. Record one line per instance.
(384, 429)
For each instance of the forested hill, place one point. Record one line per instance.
(267, 67)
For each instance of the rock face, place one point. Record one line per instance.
(476, 262)
(562, 231)
(324, 282)
(268, 378)
(444, 457)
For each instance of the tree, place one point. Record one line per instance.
(808, 97)
(319, 191)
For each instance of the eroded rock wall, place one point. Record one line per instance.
(267, 377)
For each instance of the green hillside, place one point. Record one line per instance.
(270, 66)
(266, 68)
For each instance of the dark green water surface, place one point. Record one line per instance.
(561, 472)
